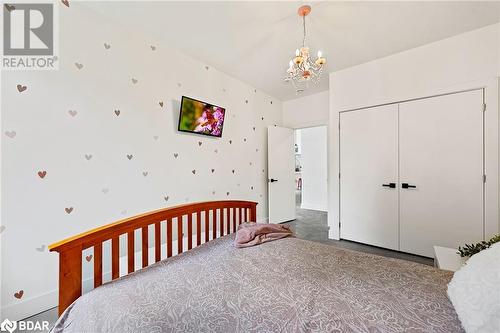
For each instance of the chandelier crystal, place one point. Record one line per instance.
(302, 69)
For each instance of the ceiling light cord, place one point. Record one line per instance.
(304, 25)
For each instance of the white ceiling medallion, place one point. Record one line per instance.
(302, 69)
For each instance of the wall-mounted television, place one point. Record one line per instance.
(201, 117)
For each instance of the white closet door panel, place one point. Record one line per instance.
(441, 153)
(368, 159)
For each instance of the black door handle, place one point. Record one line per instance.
(272, 180)
(391, 185)
(406, 185)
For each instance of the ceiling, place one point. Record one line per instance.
(254, 41)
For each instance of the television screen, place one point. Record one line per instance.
(200, 117)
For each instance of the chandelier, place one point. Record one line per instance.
(302, 69)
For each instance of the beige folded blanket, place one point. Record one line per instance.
(250, 234)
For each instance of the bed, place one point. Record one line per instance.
(288, 285)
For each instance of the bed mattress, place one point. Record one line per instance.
(289, 285)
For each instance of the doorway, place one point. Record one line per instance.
(297, 175)
(310, 149)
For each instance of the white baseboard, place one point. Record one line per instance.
(312, 206)
(30, 306)
(333, 234)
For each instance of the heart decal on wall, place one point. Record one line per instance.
(207, 68)
(232, 171)
(107, 46)
(166, 198)
(68, 210)
(105, 190)
(134, 81)
(19, 294)
(130, 156)
(72, 113)
(41, 248)
(213, 192)
(230, 142)
(200, 143)
(145, 173)
(216, 151)
(227, 193)
(117, 112)
(11, 134)
(262, 118)
(161, 103)
(193, 171)
(254, 128)
(213, 170)
(88, 157)
(78, 65)
(245, 140)
(155, 137)
(65, 2)
(251, 187)
(246, 101)
(153, 47)
(21, 88)
(176, 155)
(179, 84)
(89, 257)
(42, 174)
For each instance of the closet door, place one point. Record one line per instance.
(368, 166)
(441, 154)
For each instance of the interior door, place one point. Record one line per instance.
(281, 173)
(368, 176)
(441, 168)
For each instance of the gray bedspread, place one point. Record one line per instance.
(289, 285)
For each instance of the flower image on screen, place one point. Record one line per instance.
(200, 117)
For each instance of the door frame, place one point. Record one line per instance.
(490, 157)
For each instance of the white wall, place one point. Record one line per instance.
(307, 111)
(465, 61)
(64, 115)
(314, 168)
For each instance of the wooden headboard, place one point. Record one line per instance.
(230, 214)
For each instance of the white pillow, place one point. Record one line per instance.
(474, 291)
